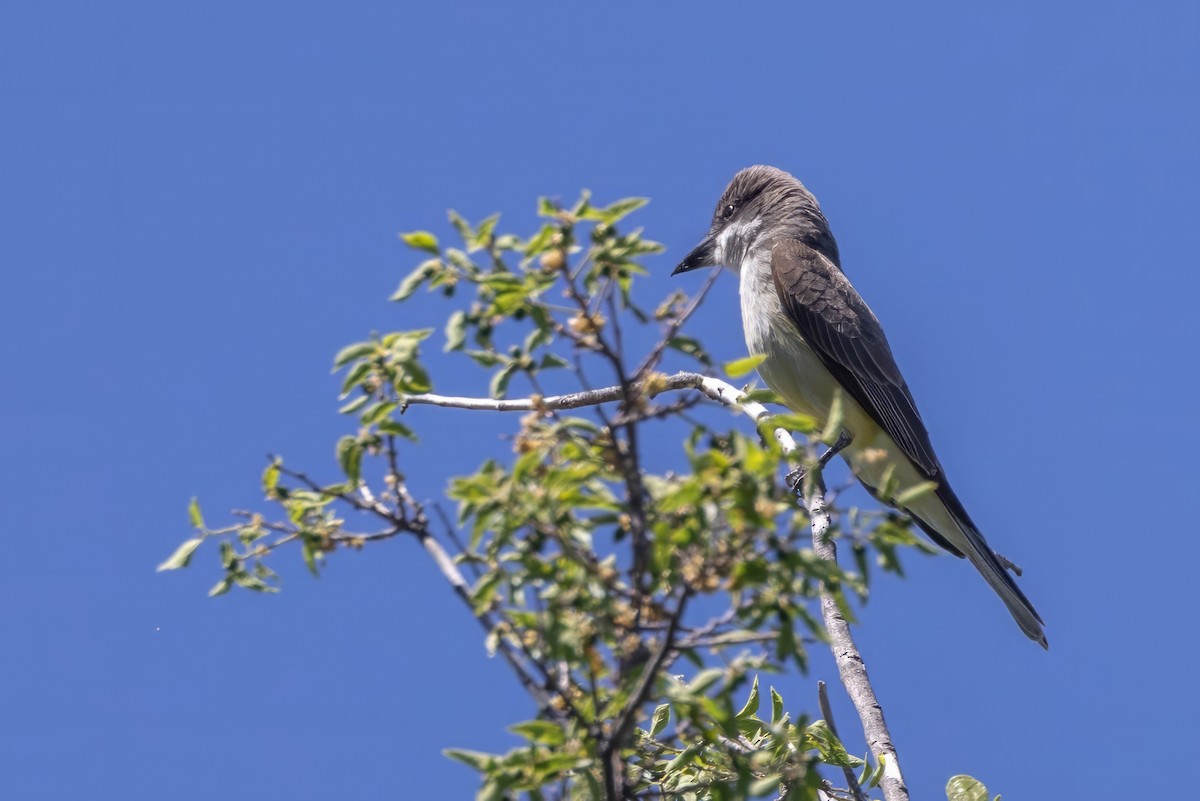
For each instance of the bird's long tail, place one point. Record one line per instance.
(966, 540)
(941, 515)
(1000, 580)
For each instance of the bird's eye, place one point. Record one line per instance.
(728, 211)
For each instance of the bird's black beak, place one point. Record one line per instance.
(701, 256)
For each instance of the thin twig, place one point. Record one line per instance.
(827, 714)
(651, 361)
(610, 752)
(450, 571)
(456, 541)
(417, 525)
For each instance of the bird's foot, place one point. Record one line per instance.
(843, 440)
(795, 479)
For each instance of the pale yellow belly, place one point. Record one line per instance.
(797, 375)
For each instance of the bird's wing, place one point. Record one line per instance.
(840, 328)
(844, 333)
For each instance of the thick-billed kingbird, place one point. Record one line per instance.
(819, 338)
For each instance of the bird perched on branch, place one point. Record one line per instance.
(824, 350)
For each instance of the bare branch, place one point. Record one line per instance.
(714, 388)
(851, 668)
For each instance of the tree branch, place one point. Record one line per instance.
(714, 388)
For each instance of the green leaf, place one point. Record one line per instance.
(485, 591)
(616, 211)
(749, 573)
(690, 346)
(421, 240)
(403, 345)
(412, 282)
(354, 405)
(493, 790)
(777, 711)
(833, 425)
(918, 490)
(740, 367)
(460, 225)
(508, 242)
(660, 718)
(377, 412)
(499, 383)
(194, 515)
(355, 376)
(456, 331)
(483, 233)
(228, 555)
(182, 555)
(270, 477)
(540, 731)
(751, 705)
(767, 785)
(792, 422)
(760, 395)
(221, 587)
(414, 380)
(965, 788)
(252, 582)
(486, 358)
(310, 557)
(476, 759)
(352, 352)
(871, 775)
(541, 241)
(397, 429)
(349, 455)
(830, 747)
(583, 204)
(705, 679)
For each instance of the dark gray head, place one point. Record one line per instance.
(760, 206)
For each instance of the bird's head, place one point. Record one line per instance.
(760, 205)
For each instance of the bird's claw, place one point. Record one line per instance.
(843, 440)
(795, 479)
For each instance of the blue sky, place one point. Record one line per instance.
(199, 206)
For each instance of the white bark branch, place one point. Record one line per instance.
(851, 667)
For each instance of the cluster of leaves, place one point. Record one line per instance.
(595, 578)
(697, 744)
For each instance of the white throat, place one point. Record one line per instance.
(733, 244)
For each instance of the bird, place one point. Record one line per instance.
(822, 346)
